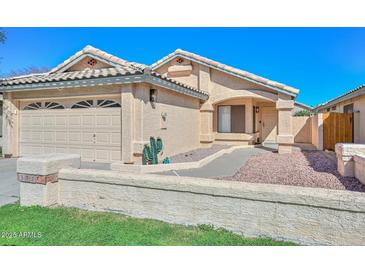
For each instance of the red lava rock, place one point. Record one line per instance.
(307, 168)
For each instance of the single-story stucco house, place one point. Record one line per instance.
(352, 101)
(106, 108)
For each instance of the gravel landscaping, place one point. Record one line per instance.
(197, 154)
(307, 168)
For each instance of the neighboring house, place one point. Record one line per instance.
(352, 101)
(300, 107)
(106, 108)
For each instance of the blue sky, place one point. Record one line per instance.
(321, 62)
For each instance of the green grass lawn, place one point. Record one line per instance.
(69, 226)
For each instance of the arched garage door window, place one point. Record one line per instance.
(44, 105)
(97, 103)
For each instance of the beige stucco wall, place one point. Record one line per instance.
(180, 131)
(302, 129)
(317, 131)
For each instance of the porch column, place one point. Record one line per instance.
(285, 137)
(10, 126)
(206, 124)
(127, 99)
(249, 116)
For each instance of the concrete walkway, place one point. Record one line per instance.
(226, 165)
(9, 187)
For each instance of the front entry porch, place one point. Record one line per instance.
(248, 121)
(243, 121)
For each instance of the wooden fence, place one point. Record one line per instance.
(337, 128)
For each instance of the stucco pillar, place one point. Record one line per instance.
(141, 97)
(10, 126)
(127, 99)
(285, 137)
(249, 116)
(206, 124)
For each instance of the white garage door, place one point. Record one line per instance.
(87, 129)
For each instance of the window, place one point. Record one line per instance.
(33, 106)
(46, 105)
(108, 104)
(83, 104)
(348, 108)
(102, 103)
(53, 105)
(334, 108)
(231, 119)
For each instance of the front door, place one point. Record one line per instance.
(269, 121)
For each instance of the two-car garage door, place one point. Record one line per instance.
(93, 132)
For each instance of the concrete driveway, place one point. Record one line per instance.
(9, 187)
(225, 165)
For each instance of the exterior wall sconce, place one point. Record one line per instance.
(153, 97)
(257, 109)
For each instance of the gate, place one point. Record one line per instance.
(337, 128)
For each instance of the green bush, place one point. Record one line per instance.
(304, 112)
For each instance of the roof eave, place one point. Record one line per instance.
(341, 98)
(283, 91)
(136, 78)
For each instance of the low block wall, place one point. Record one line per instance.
(304, 215)
(359, 167)
(351, 160)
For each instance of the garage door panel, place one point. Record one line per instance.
(61, 121)
(49, 137)
(88, 138)
(102, 138)
(74, 137)
(26, 136)
(36, 121)
(60, 137)
(48, 149)
(102, 121)
(36, 136)
(25, 121)
(49, 121)
(102, 155)
(87, 154)
(94, 133)
(115, 121)
(88, 121)
(74, 121)
(115, 138)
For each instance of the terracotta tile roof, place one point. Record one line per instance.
(229, 69)
(116, 61)
(120, 68)
(360, 90)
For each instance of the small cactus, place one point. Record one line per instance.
(150, 152)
